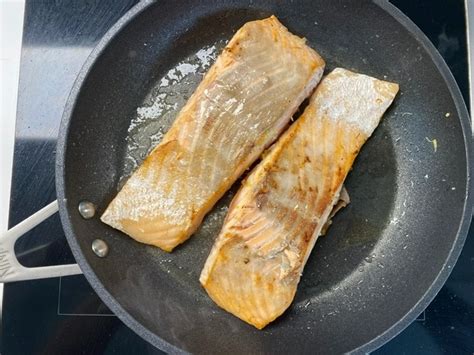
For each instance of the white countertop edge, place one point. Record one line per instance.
(11, 34)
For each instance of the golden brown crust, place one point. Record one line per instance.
(275, 218)
(241, 106)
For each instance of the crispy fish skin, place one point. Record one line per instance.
(241, 106)
(274, 220)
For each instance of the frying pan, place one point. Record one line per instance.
(386, 255)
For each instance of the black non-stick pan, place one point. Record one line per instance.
(386, 255)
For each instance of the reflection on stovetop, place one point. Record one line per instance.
(64, 315)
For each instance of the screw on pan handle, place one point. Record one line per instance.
(11, 269)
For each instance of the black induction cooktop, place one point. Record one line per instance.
(64, 315)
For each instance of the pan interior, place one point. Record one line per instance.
(382, 252)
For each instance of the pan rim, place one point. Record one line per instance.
(61, 145)
(463, 229)
(153, 338)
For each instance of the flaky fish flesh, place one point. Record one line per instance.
(275, 218)
(242, 105)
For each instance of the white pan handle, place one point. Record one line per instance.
(11, 269)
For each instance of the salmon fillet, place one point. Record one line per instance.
(241, 106)
(275, 218)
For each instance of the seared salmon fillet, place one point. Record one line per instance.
(275, 218)
(242, 105)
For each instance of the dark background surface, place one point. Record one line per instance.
(57, 316)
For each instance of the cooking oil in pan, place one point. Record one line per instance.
(160, 108)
